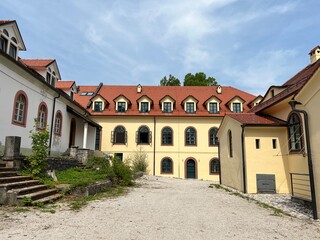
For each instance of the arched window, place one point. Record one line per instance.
(191, 136)
(13, 39)
(119, 135)
(214, 166)
(5, 32)
(230, 144)
(20, 108)
(143, 135)
(42, 116)
(58, 123)
(166, 136)
(212, 136)
(166, 166)
(295, 132)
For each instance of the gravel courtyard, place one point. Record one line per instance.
(160, 208)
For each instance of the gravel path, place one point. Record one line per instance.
(161, 208)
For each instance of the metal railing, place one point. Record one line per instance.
(300, 186)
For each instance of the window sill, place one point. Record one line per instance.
(19, 124)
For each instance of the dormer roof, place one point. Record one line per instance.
(235, 97)
(144, 96)
(121, 95)
(18, 36)
(41, 64)
(65, 84)
(190, 96)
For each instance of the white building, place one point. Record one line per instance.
(31, 89)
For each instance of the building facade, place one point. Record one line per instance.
(32, 89)
(274, 147)
(174, 126)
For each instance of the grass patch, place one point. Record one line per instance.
(21, 209)
(78, 202)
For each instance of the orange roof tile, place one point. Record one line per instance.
(37, 63)
(253, 119)
(156, 93)
(6, 21)
(64, 84)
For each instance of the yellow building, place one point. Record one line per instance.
(175, 126)
(274, 147)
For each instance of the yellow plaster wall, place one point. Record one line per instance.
(231, 168)
(267, 160)
(178, 152)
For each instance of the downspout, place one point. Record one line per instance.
(52, 119)
(243, 161)
(154, 145)
(293, 104)
(220, 181)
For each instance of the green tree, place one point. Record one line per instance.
(171, 81)
(199, 79)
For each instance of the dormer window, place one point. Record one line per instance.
(121, 106)
(144, 107)
(167, 108)
(97, 106)
(3, 44)
(190, 107)
(51, 77)
(213, 108)
(13, 48)
(236, 107)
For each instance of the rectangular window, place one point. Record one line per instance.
(236, 107)
(119, 156)
(190, 107)
(144, 107)
(98, 135)
(167, 107)
(3, 44)
(12, 51)
(257, 143)
(274, 143)
(121, 107)
(97, 106)
(48, 77)
(213, 108)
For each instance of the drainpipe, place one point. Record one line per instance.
(154, 145)
(52, 123)
(243, 161)
(220, 181)
(293, 104)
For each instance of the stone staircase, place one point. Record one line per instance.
(14, 188)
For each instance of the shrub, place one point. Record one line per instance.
(37, 160)
(121, 173)
(99, 163)
(139, 161)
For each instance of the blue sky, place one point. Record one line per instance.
(248, 44)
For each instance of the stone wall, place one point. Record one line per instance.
(60, 164)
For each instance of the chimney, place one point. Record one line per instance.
(219, 89)
(139, 88)
(314, 54)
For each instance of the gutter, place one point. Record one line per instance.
(243, 160)
(52, 122)
(310, 165)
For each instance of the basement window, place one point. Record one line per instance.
(274, 143)
(257, 143)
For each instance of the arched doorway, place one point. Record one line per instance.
(191, 168)
(72, 132)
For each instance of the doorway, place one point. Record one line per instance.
(191, 167)
(72, 133)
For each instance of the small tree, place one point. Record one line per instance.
(37, 159)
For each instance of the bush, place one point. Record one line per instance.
(138, 161)
(121, 173)
(98, 163)
(37, 160)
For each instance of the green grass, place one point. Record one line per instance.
(21, 209)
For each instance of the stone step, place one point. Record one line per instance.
(48, 199)
(5, 169)
(15, 185)
(14, 179)
(8, 174)
(2, 165)
(30, 189)
(39, 194)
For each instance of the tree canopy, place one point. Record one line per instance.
(171, 81)
(199, 79)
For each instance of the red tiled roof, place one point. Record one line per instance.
(253, 119)
(156, 93)
(64, 84)
(37, 63)
(83, 100)
(6, 21)
(293, 85)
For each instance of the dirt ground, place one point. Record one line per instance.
(160, 208)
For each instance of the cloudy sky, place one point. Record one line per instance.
(249, 44)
